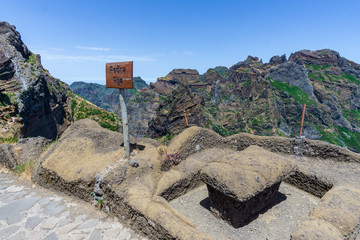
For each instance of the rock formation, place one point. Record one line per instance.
(265, 98)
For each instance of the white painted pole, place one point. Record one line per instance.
(125, 122)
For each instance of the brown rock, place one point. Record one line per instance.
(314, 229)
(241, 184)
(319, 57)
(183, 76)
(341, 208)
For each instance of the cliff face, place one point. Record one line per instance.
(259, 98)
(32, 100)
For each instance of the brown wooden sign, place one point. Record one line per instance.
(119, 75)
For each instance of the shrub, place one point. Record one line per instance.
(170, 160)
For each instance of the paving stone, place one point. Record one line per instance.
(80, 218)
(50, 206)
(32, 222)
(8, 181)
(63, 221)
(65, 214)
(50, 223)
(36, 235)
(18, 236)
(51, 236)
(4, 196)
(38, 214)
(15, 218)
(89, 224)
(7, 232)
(112, 233)
(17, 207)
(105, 225)
(78, 236)
(13, 189)
(95, 235)
(68, 228)
(124, 235)
(55, 211)
(44, 200)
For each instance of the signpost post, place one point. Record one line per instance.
(120, 75)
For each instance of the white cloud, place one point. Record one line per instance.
(109, 58)
(189, 53)
(93, 48)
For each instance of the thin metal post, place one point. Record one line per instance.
(125, 122)
(186, 121)
(302, 119)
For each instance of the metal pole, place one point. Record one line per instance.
(186, 121)
(302, 119)
(125, 123)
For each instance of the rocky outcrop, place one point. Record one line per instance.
(39, 99)
(162, 86)
(170, 114)
(267, 98)
(10, 37)
(142, 109)
(212, 76)
(278, 59)
(320, 57)
(182, 76)
(293, 74)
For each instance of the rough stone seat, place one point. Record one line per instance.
(242, 184)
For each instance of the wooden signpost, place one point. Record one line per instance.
(120, 75)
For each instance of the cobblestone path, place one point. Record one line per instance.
(31, 212)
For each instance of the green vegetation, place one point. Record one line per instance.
(351, 78)
(33, 60)
(247, 83)
(351, 139)
(87, 110)
(352, 115)
(328, 136)
(165, 139)
(316, 76)
(25, 166)
(10, 140)
(317, 67)
(220, 130)
(295, 92)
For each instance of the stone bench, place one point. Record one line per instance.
(242, 184)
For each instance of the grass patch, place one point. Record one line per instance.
(220, 130)
(295, 92)
(10, 140)
(33, 60)
(316, 76)
(351, 139)
(165, 139)
(327, 136)
(247, 83)
(81, 109)
(317, 67)
(24, 167)
(351, 78)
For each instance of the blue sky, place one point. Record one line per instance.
(77, 38)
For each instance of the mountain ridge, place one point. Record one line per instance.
(260, 98)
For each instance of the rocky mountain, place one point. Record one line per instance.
(32, 102)
(106, 98)
(258, 98)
